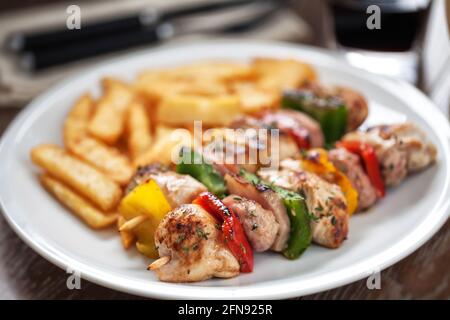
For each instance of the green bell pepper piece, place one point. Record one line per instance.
(196, 167)
(300, 236)
(329, 111)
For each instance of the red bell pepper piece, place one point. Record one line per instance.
(371, 164)
(232, 230)
(300, 135)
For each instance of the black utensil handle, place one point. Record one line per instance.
(21, 42)
(45, 58)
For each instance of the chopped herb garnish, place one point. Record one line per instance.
(243, 248)
(180, 239)
(304, 153)
(185, 250)
(254, 227)
(195, 246)
(319, 208)
(333, 220)
(202, 234)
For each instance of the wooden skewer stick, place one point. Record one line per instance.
(159, 263)
(133, 223)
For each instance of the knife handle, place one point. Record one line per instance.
(49, 57)
(21, 42)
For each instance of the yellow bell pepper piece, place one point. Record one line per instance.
(145, 199)
(325, 169)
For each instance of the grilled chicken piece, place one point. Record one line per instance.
(259, 224)
(229, 150)
(245, 122)
(177, 188)
(291, 119)
(391, 155)
(324, 201)
(286, 146)
(269, 200)
(189, 237)
(420, 153)
(357, 108)
(349, 164)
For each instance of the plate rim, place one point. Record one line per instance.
(284, 288)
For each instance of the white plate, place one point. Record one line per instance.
(408, 216)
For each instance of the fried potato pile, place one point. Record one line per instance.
(132, 124)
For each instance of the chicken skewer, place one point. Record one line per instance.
(261, 211)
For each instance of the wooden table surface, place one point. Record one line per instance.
(24, 274)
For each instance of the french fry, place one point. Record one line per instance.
(93, 217)
(185, 109)
(138, 129)
(105, 158)
(108, 121)
(127, 238)
(167, 144)
(78, 175)
(77, 120)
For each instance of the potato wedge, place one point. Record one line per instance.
(77, 120)
(185, 109)
(254, 99)
(156, 89)
(127, 238)
(203, 79)
(105, 158)
(139, 136)
(212, 70)
(166, 146)
(78, 175)
(282, 74)
(93, 217)
(108, 121)
(218, 70)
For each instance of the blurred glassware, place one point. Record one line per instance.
(394, 49)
